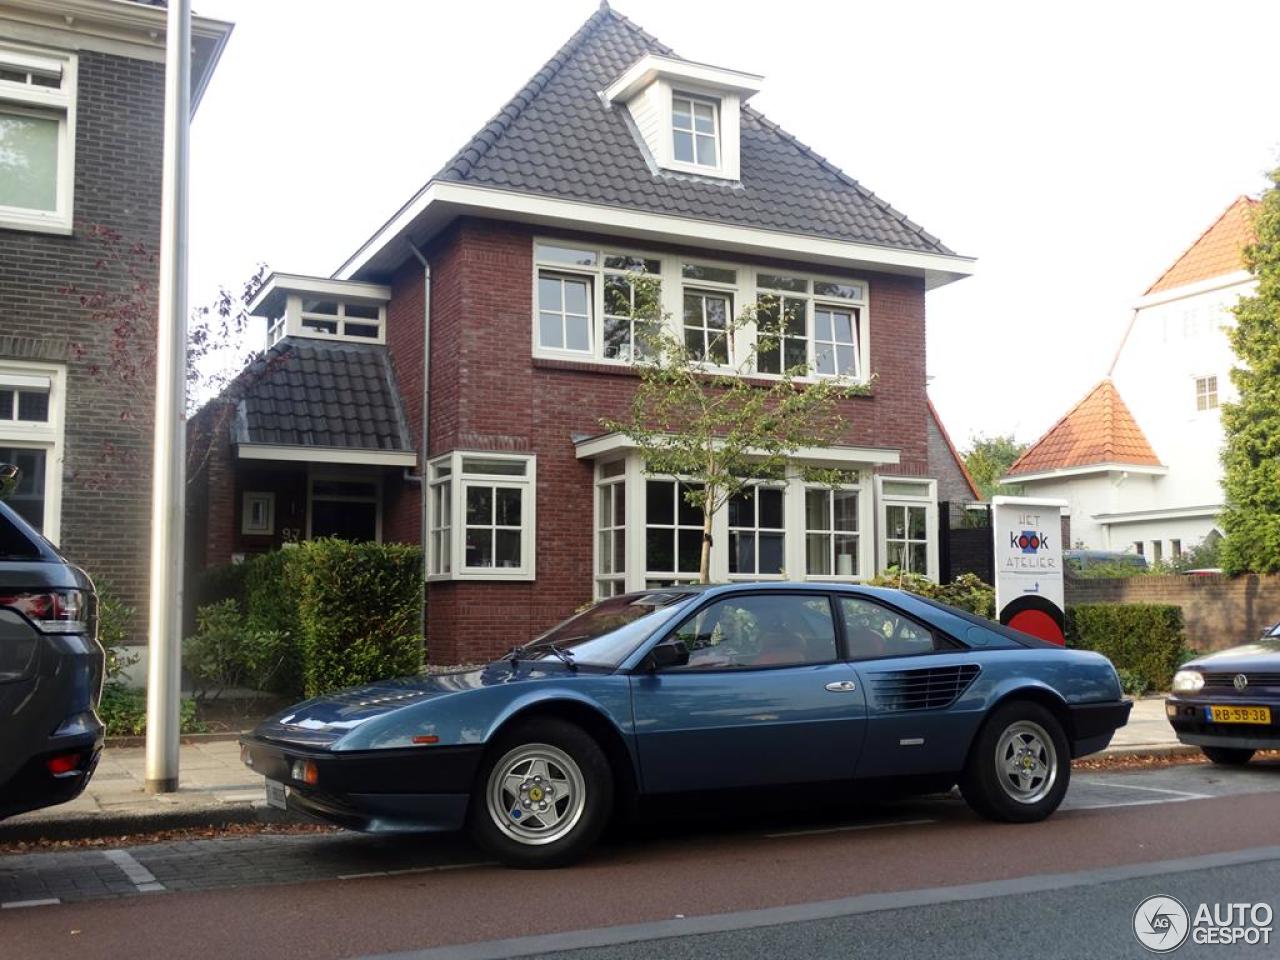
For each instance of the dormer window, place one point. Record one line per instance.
(695, 130)
(322, 309)
(686, 115)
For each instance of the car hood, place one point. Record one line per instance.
(1259, 655)
(322, 720)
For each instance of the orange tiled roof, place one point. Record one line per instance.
(1216, 252)
(1098, 429)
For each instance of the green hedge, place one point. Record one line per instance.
(1144, 640)
(359, 610)
(311, 618)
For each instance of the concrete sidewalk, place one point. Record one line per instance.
(216, 788)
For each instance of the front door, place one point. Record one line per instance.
(764, 699)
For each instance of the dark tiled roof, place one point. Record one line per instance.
(557, 137)
(313, 393)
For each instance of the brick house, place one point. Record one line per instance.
(81, 142)
(495, 296)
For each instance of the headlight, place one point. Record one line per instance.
(1188, 681)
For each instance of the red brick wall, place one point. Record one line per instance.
(489, 393)
(1219, 611)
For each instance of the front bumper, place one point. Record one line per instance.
(1094, 724)
(417, 790)
(1189, 717)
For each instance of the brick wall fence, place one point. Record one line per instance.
(1220, 611)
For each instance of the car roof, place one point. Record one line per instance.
(755, 586)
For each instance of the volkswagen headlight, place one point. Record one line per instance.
(1188, 681)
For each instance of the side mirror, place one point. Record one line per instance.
(9, 477)
(669, 653)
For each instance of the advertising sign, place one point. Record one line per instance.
(1028, 565)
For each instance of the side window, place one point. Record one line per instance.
(760, 631)
(874, 631)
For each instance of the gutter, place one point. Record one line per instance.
(426, 418)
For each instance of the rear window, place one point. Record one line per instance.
(1017, 636)
(14, 543)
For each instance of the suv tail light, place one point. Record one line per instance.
(55, 611)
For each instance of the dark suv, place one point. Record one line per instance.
(51, 667)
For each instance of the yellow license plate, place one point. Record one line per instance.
(1240, 714)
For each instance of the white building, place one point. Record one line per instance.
(1138, 458)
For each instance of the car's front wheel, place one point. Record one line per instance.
(1019, 766)
(543, 795)
(1228, 756)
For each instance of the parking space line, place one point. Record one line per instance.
(847, 829)
(399, 873)
(1177, 793)
(18, 904)
(142, 878)
(1129, 803)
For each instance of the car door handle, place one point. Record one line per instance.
(842, 686)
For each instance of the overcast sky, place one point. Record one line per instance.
(1074, 149)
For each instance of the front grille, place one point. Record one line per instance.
(926, 688)
(1256, 679)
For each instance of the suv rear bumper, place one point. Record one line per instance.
(33, 786)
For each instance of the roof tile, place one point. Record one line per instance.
(1216, 252)
(1099, 429)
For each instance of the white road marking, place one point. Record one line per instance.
(138, 875)
(17, 904)
(398, 873)
(848, 829)
(1177, 793)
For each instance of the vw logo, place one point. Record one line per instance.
(1240, 681)
(1161, 924)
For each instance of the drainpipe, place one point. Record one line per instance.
(426, 416)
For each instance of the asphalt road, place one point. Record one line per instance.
(902, 880)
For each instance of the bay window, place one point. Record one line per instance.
(672, 532)
(611, 530)
(480, 516)
(831, 531)
(37, 139)
(757, 532)
(908, 525)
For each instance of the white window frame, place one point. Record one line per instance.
(1206, 389)
(324, 476)
(456, 522)
(339, 320)
(250, 499)
(745, 290)
(52, 103)
(665, 576)
(926, 498)
(716, 106)
(48, 435)
(756, 529)
(609, 580)
(831, 532)
(440, 518)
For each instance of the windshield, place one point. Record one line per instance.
(604, 634)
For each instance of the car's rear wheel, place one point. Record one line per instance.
(1228, 756)
(543, 795)
(1019, 766)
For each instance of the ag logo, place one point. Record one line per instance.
(1028, 541)
(1161, 924)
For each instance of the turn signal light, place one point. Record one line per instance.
(304, 771)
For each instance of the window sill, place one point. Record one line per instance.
(480, 577)
(621, 368)
(56, 226)
(617, 368)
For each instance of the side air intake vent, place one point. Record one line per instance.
(926, 688)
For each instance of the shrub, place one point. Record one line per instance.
(124, 712)
(271, 616)
(967, 591)
(1143, 639)
(359, 606)
(114, 619)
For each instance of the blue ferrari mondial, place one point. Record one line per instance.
(691, 689)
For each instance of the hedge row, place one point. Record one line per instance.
(311, 618)
(1145, 640)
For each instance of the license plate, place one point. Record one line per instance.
(1239, 714)
(277, 795)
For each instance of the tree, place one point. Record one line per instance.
(1251, 452)
(701, 418)
(122, 306)
(989, 459)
